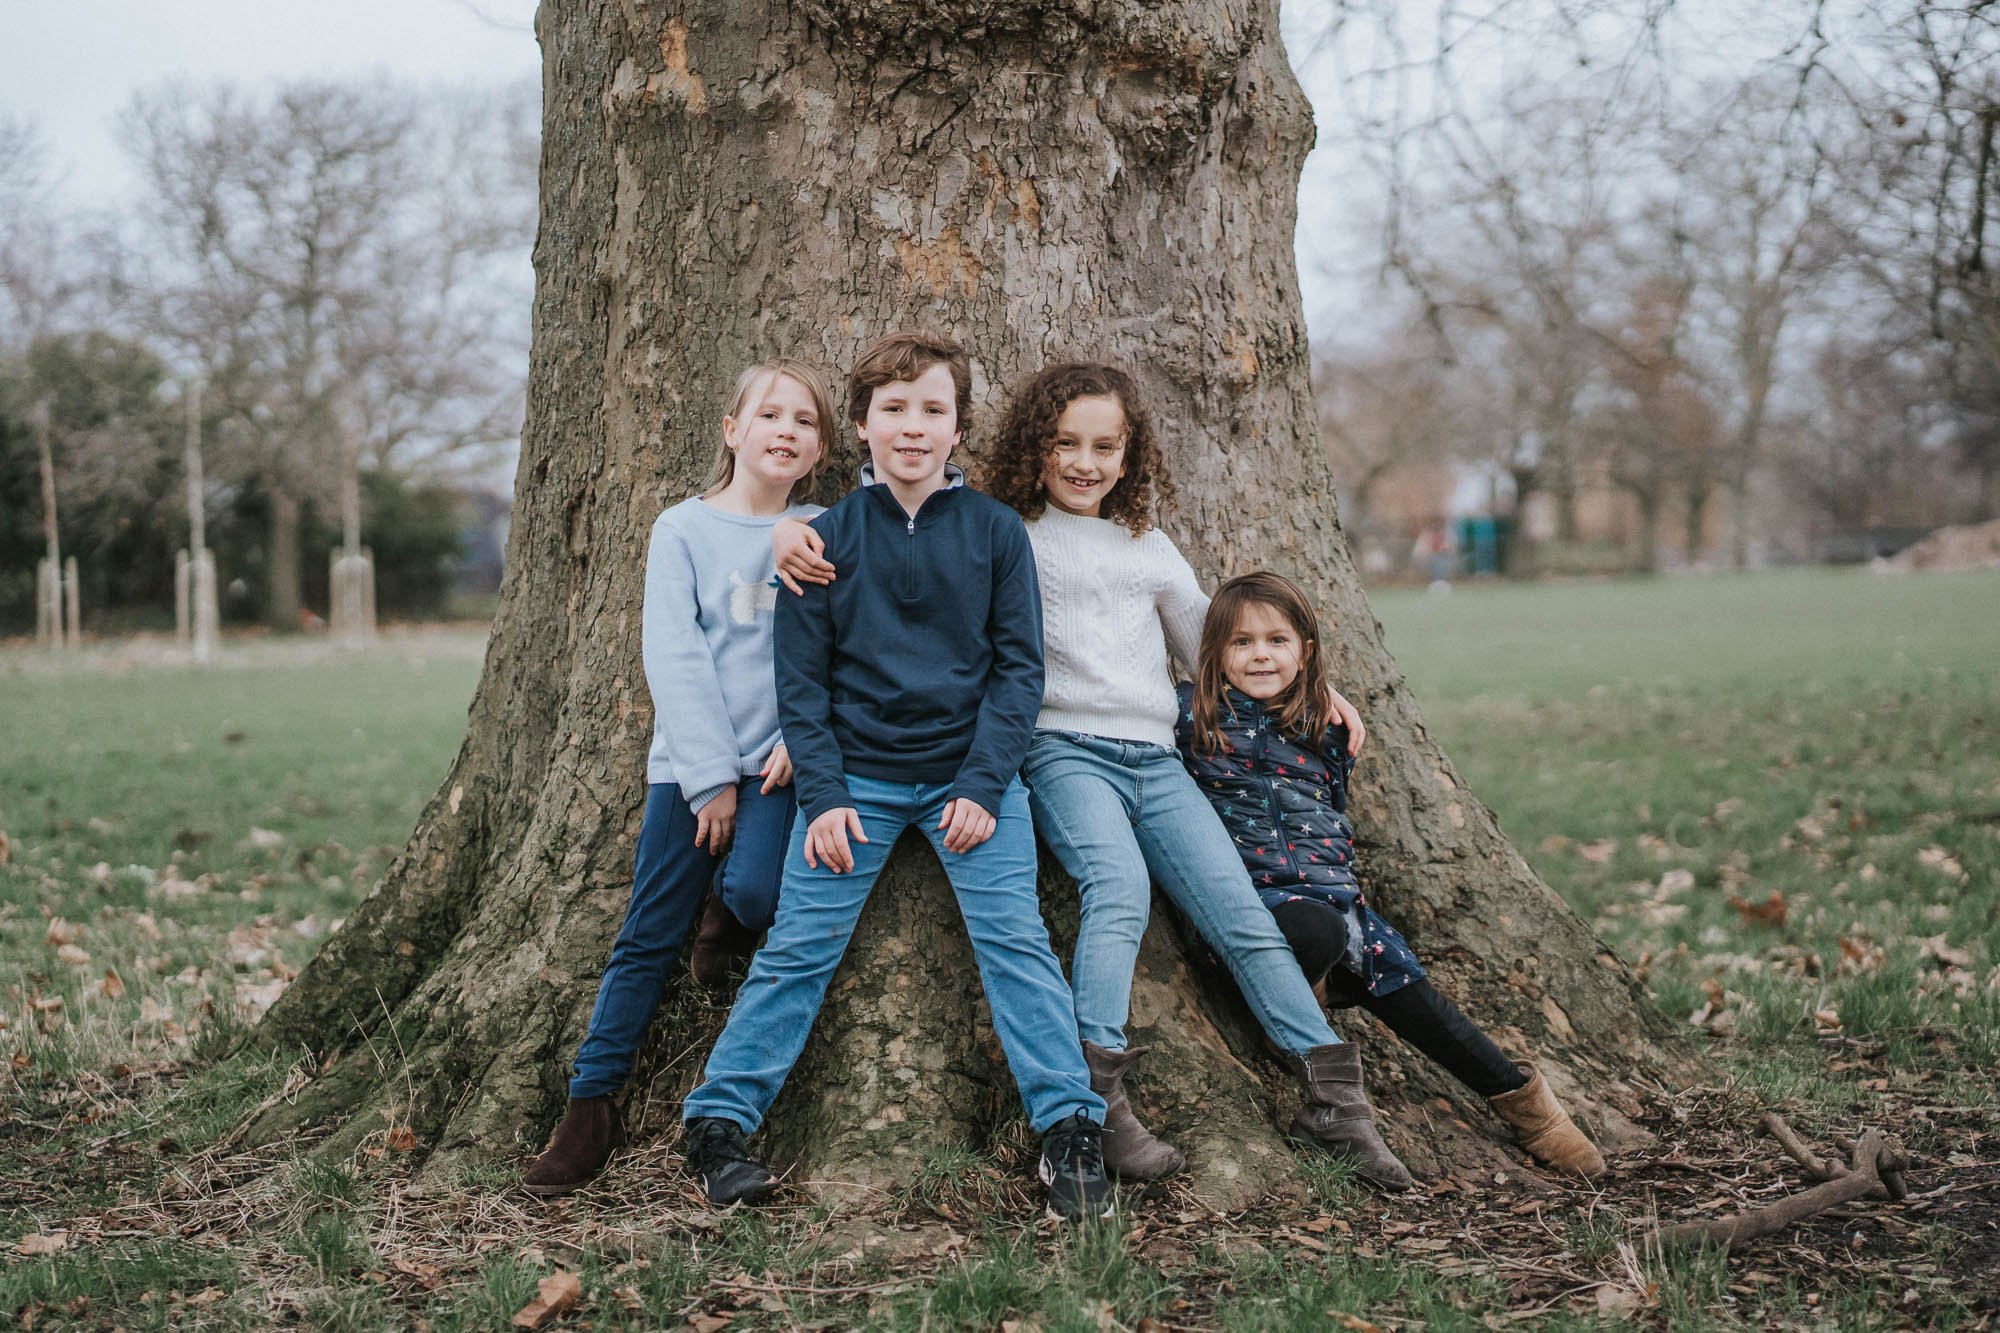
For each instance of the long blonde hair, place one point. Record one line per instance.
(751, 387)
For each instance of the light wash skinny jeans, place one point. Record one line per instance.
(817, 912)
(1120, 815)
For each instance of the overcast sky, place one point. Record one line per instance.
(70, 65)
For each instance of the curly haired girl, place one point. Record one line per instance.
(1077, 457)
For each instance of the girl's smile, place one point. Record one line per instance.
(1264, 653)
(1088, 455)
(779, 441)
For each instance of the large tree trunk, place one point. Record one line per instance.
(722, 182)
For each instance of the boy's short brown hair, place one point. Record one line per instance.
(903, 357)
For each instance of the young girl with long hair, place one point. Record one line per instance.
(719, 801)
(1078, 458)
(1261, 744)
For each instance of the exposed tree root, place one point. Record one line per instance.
(1874, 1169)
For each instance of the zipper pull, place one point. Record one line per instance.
(912, 525)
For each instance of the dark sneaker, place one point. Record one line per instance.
(719, 1156)
(1073, 1169)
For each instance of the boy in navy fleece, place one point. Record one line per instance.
(907, 693)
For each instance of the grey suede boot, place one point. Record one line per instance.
(1130, 1150)
(1337, 1115)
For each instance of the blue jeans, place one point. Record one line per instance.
(817, 910)
(670, 875)
(1122, 814)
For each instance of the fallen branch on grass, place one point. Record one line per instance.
(1874, 1169)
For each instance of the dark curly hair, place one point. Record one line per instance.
(1012, 469)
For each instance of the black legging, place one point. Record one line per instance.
(1416, 1012)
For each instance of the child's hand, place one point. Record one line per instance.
(798, 546)
(715, 823)
(826, 839)
(777, 770)
(966, 824)
(1357, 731)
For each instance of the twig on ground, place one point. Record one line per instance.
(1875, 1170)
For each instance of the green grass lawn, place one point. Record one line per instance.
(1778, 795)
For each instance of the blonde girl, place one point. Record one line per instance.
(719, 802)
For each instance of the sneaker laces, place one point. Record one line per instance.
(1079, 1146)
(720, 1141)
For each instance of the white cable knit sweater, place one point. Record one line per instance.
(1112, 607)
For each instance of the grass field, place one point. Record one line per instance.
(1779, 795)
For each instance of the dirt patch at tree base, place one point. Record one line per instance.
(1512, 1242)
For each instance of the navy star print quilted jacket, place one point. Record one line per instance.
(1285, 806)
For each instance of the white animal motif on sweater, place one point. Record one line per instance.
(747, 599)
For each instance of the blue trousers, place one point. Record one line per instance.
(670, 876)
(817, 911)
(1120, 815)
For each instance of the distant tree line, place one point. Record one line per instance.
(1760, 308)
(344, 267)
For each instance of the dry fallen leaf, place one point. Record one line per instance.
(1600, 852)
(1936, 950)
(402, 1138)
(1353, 1323)
(112, 986)
(1827, 1021)
(553, 1295)
(1770, 912)
(715, 1323)
(427, 1275)
(74, 956)
(6, 848)
(52, 1242)
(1613, 1299)
(1942, 861)
(1860, 956)
(59, 933)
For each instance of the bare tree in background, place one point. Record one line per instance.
(1387, 415)
(38, 281)
(1754, 187)
(330, 259)
(1842, 174)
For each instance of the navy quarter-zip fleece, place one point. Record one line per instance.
(922, 660)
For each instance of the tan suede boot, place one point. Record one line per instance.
(589, 1133)
(1545, 1129)
(1130, 1150)
(1337, 1115)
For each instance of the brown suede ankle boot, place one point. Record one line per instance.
(1130, 1150)
(1337, 1115)
(1545, 1129)
(719, 942)
(589, 1133)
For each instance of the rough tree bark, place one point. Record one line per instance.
(722, 182)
